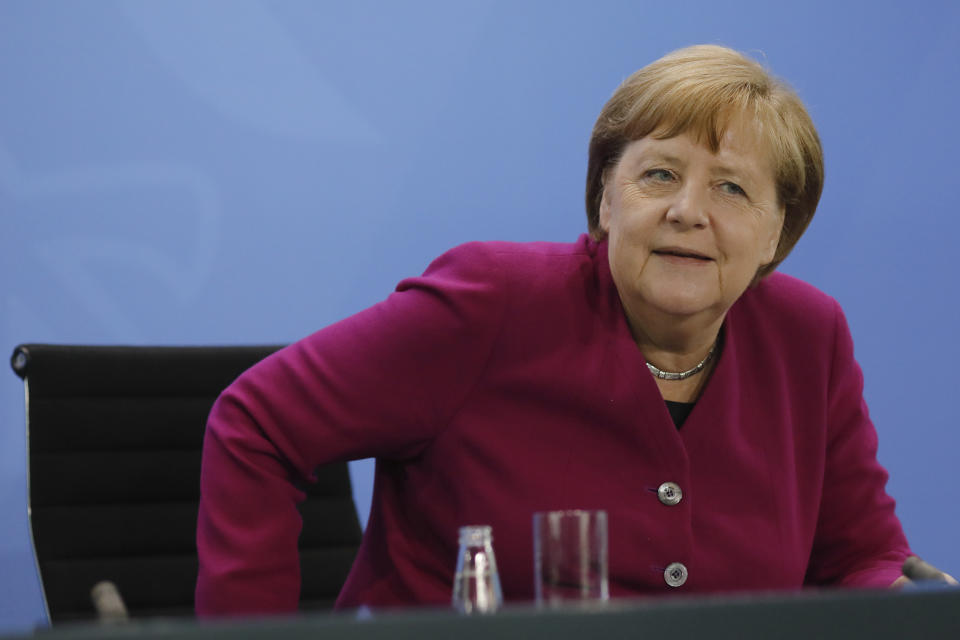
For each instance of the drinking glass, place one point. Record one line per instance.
(570, 557)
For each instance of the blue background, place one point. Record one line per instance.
(216, 172)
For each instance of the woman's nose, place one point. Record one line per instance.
(689, 208)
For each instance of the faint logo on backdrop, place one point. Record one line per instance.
(89, 234)
(240, 60)
(108, 247)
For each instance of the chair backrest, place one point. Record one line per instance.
(114, 437)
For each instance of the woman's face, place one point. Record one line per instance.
(688, 228)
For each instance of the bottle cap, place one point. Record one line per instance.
(476, 534)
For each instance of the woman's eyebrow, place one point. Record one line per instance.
(657, 156)
(740, 173)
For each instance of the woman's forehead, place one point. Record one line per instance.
(740, 148)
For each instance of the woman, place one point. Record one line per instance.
(656, 369)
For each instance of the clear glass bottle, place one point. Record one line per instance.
(476, 584)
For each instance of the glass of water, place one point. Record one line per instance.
(570, 557)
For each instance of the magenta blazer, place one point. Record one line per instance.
(505, 381)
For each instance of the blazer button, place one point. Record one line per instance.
(670, 493)
(675, 574)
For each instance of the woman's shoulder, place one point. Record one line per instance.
(522, 253)
(787, 320)
(529, 262)
(795, 307)
(779, 290)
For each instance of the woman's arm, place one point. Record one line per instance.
(381, 383)
(859, 540)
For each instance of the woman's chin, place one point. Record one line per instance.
(683, 308)
(682, 303)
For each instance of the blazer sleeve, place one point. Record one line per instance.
(381, 383)
(859, 541)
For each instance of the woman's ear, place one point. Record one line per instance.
(773, 240)
(604, 218)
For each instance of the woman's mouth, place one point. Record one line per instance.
(682, 254)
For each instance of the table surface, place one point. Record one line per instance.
(820, 615)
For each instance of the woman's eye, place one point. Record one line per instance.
(661, 175)
(733, 189)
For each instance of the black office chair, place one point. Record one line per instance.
(114, 437)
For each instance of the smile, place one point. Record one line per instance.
(682, 254)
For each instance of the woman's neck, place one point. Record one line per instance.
(673, 343)
(677, 344)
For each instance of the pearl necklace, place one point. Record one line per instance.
(682, 375)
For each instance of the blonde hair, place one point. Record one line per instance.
(701, 89)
